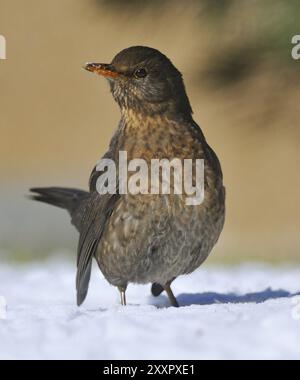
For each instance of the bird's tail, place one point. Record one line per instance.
(62, 197)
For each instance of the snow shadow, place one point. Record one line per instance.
(209, 298)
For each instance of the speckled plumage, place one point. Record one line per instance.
(147, 238)
(154, 238)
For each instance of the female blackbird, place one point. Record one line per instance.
(145, 238)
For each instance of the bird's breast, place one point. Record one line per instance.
(152, 237)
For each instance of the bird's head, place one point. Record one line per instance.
(144, 80)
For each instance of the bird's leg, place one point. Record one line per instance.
(170, 294)
(122, 291)
(157, 289)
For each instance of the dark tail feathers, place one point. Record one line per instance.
(66, 198)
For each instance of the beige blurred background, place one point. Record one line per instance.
(56, 120)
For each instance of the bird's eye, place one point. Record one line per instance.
(140, 73)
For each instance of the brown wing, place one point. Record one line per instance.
(97, 212)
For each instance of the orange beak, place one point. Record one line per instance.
(103, 69)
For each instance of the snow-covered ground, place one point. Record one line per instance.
(249, 311)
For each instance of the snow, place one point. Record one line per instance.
(242, 312)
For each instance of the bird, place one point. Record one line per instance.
(145, 238)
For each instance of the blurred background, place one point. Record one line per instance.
(56, 120)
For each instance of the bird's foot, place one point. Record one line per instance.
(172, 298)
(157, 289)
(123, 295)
